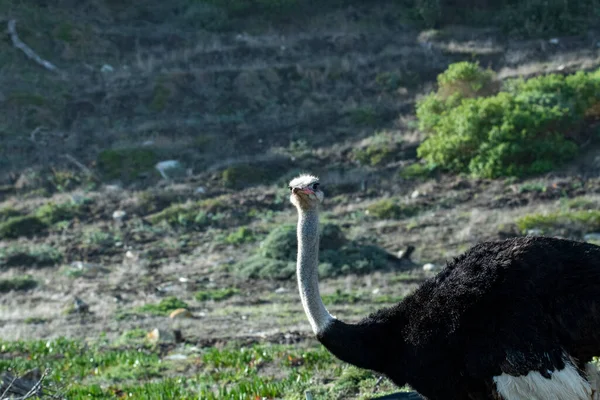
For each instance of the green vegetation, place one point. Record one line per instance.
(569, 221)
(126, 164)
(526, 129)
(51, 213)
(276, 256)
(109, 370)
(340, 297)
(392, 209)
(381, 147)
(240, 176)
(27, 225)
(240, 236)
(216, 294)
(18, 283)
(9, 212)
(164, 307)
(417, 171)
(191, 214)
(29, 256)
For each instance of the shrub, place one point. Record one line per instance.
(38, 256)
(216, 294)
(571, 221)
(392, 209)
(164, 307)
(276, 257)
(381, 148)
(126, 164)
(240, 176)
(240, 236)
(19, 283)
(182, 215)
(51, 213)
(27, 225)
(527, 129)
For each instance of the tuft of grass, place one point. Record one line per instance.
(215, 294)
(30, 256)
(19, 283)
(392, 209)
(164, 307)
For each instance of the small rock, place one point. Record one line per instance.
(107, 68)
(281, 290)
(168, 165)
(592, 237)
(415, 194)
(160, 336)
(534, 232)
(180, 313)
(553, 41)
(200, 190)
(176, 357)
(429, 267)
(119, 215)
(89, 269)
(183, 279)
(148, 143)
(376, 291)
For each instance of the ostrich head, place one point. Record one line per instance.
(306, 193)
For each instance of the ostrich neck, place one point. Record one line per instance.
(307, 271)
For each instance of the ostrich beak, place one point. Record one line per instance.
(297, 190)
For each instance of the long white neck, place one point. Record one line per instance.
(307, 270)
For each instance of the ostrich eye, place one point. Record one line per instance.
(315, 186)
(289, 187)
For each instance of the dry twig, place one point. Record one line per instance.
(18, 43)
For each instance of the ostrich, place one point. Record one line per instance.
(517, 319)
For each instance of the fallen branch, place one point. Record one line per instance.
(18, 43)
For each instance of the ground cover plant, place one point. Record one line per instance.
(136, 369)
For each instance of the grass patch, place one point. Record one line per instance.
(30, 256)
(51, 213)
(164, 307)
(392, 209)
(126, 164)
(215, 294)
(276, 256)
(189, 215)
(240, 236)
(571, 222)
(28, 226)
(380, 148)
(104, 370)
(18, 284)
(417, 171)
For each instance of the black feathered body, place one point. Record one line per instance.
(506, 307)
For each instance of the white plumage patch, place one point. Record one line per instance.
(565, 384)
(593, 377)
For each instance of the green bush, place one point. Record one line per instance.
(38, 256)
(571, 221)
(392, 209)
(527, 129)
(19, 283)
(276, 257)
(240, 236)
(27, 225)
(164, 307)
(51, 213)
(182, 215)
(126, 164)
(216, 294)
